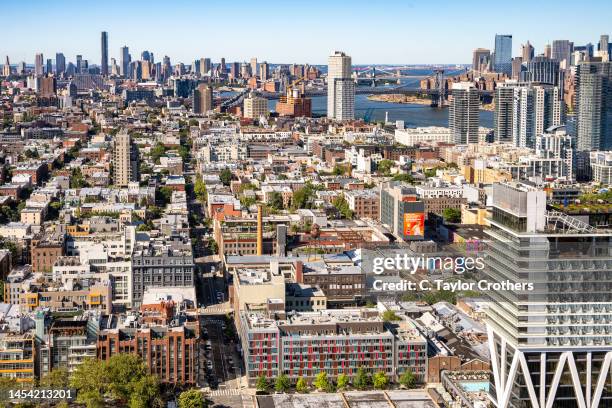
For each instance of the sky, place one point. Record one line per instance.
(290, 31)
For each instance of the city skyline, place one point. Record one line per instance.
(329, 31)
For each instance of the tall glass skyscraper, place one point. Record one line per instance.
(503, 54)
(104, 49)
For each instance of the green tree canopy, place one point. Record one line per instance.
(282, 383)
(225, 176)
(276, 200)
(384, 167)
(57, 378)
(452, 215)
(362, 380)
(407, 379)
(389, 315)
(301, 386)
(343, 207)
(321, 382)
(191, 398)
(262, 384)
(380, 381)
(343, 381)
(200, 190)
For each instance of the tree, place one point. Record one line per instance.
(321, 382)
(407, 379)
(343, 207)
(165, 195)
(384, 167)
(362, 380)
(301, 386)
(262, 384)
(146, 393)
(380, 380)
(225, 176)
(91, 382)
(200, 191)
(343, 381)
(389, 316)
(276, 200)
(452, 215)
(77, 180)
(124, 370)
(282, 383)
(191, 398)
(301, 197)
(404, 177)
(157, 151)
(57, 378)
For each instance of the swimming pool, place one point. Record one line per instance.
(475, 386)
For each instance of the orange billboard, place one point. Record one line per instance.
(414, 224)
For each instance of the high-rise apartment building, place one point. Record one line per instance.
(536, 107)
(604, 47)
(264, 71)
(202, 99)
(255, 107)
(464, 113)
(503, 54)
(60, 64)
(104, 53)
(254, 67)
(38, 65)
(562, 52)
(549, 326)
(125, 160)
(124, 61)
(593, 107)
(527, 52)
(504, 109)
(481, 58)
(340, 88)
(543, 71)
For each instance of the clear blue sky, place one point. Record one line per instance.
(374, 31)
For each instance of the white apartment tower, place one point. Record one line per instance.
(464, 113)
(340, 88)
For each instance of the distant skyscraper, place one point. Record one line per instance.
(21, 68)
(503, 54)
(202, 99)
(223, 67)
(562, 53)
(38, 65)
(49, 66)
(254, 66)
(264, 71)
(125, 160)
(527, 52)
(124, 60)
(504, 108)
(464, 113)
(60, 63)
(104, 53)
(145, 56)
(547, 51)
(79, 64)
(593, 109)
(543, 71)
(517, 67)
(604, 47)
(340, 88)
(205, 65)
(6, 69)
(480, 59)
